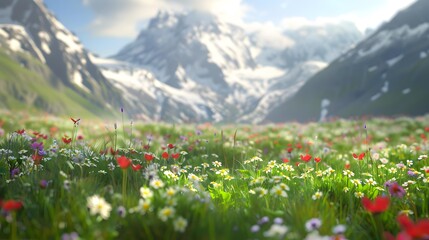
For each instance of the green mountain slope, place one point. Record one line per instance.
(387, 74)
(28, 85)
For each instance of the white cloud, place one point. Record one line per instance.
(267, 34)
(366, 17)
(121, 18)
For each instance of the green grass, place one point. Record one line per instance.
(226, 180)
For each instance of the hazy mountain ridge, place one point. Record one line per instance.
(385, 74)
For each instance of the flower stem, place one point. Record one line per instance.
(124, 185)
(14, 229)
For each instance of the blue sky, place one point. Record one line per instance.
(104, 26)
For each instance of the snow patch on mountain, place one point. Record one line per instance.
(385, 38)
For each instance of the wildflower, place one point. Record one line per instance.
(123, 162)
(70, 236)
(396, 190)
(180, 224)
(276, 231)
(156, 183)
(346, 189)
(306, 157)
(419, 230)
(170, 192)
(11, 205)
(380, 204)
(175, 155)
(149, 157)
(278, 192)
(317, 159)
(66, 140)
(143, 207)
(217, 164)
(371, 182)
(360, 156)
(359, 194)
(339, 229)
(348, 173)
(255, 228)
(317, 195)
(278, 220)
(43, 184)
(356, 181)
(263, 220)
(313, 224)
(20, 131)
(166, 213)
(97, 205)
(121, 211)
(136, 167)
(14, 172)
(165, 155)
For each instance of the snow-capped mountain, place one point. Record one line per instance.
(195, 67)
(385, 74)
(26, 26)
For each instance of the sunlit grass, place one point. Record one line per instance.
(208, 181)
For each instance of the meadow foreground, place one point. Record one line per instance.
(67, 178)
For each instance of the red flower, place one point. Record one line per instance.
(285, 160)
(164, 155)
(20, 131)
(360, 156)
(113, 152)
(289, 150)
(378, 206)
(170, 146)
(37, 158)
(66, 140)
(306, 158)
(317, 159)
(11, 205)
(75, 120)
(175, 155)
(298, 145)
(148, 157)
(123, 162)
(418, 230)
(136, 167)
(427, 129)
(423, 136)
(347, 165)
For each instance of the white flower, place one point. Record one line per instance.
(317, 195)
(143, 207)
(146, 193)
(276, 230)
(180, 224)
(156, 183)
(97, 205)
(166, 213)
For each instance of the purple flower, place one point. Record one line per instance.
(70, 236)
(121, 211)
(255, 228)
(43, 184)
(396, 190)
(263, 220)
(313, 224)
(278, 220)
(37, 146)
(14, 172)
(122, 109)
(411, 173)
